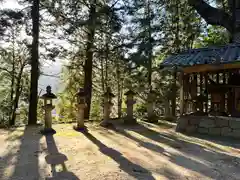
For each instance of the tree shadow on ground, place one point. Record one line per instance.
(127, 166)
(22, 160)
(224, 141)
(205, 159)
(54, 159)
(140, 142)
(160, 123)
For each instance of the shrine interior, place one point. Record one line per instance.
(212, 93)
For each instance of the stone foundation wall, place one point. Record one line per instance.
(220, 126)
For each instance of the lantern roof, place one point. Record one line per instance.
(109, 92)
(152, 91)
(49, 94)
(130, 92)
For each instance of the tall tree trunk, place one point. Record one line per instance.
(102, 74)
(106, 60)
(17, 96)
(119, 90)
(150, 50)
(32, 114)
(89, 59)
(177, 45)
(13, 76)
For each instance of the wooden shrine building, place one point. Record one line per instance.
(210, 80)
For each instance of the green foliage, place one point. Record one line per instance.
(40, 111)
(130, 39)
(213, 36)
(140, 110)
(97, 109)
(14, 56)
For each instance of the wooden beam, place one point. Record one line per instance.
(209, 67)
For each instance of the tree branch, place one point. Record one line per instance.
(5, 69)
(212, 15)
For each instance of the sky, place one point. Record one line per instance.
(51, 68)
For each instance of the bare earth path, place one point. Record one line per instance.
(144, 152)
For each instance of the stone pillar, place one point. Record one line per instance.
(80, 115)
(107, 107)
(48, 115)
(48, 107)
(130, 102)
(81, 105)
(151, 106)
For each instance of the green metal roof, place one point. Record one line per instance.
(213, 55)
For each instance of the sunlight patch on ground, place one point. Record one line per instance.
(162, 153)
(67, 133)
(9, 154)
(162, 157)
(208, 144)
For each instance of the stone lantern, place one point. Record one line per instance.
(81, 105)
(151, 106)
(108, 95)
(48, 107)
(130, 102)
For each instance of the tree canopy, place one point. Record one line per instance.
(114, 43)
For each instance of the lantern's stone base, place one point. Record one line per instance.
(130, 121)
(106, 124)
(152, 119)
(47, 131)
(215, 125)
(63, 175)
(57, 158)
(79, 128)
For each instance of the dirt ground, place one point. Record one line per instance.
(144, 152)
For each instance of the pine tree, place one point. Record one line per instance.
(32, 117)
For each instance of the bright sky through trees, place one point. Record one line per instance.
(51, 68)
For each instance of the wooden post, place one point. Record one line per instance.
(219, 104)
(201, 89)
(195, 88)
(181, 93)
(217, 78)
(174, 93)
(222, 106)
(230, 95)
(212, 105)
(186, 91)
(206, 88)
